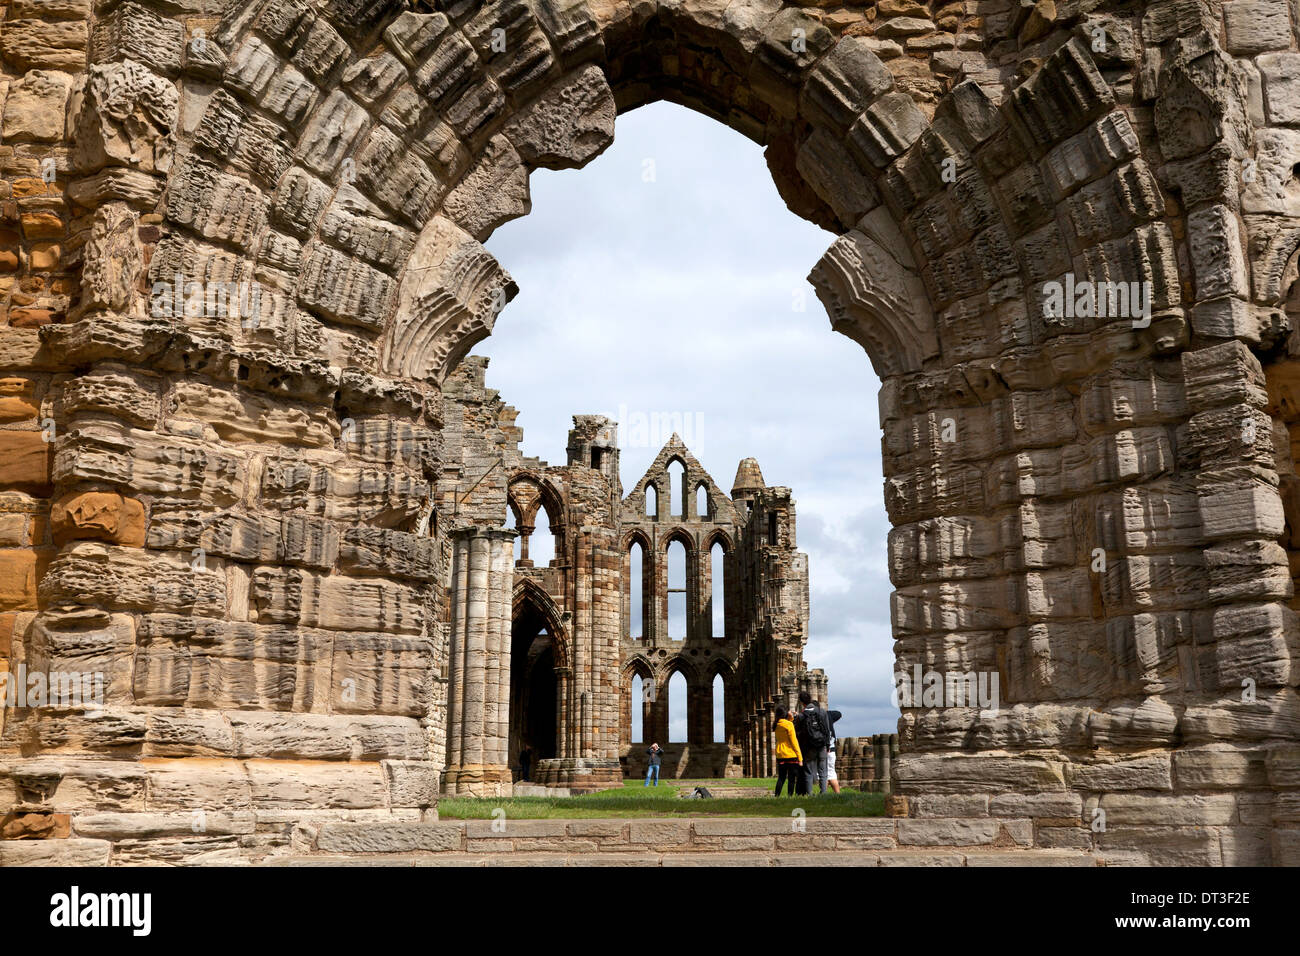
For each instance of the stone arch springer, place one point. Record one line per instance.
(355, 188)
(529, 592)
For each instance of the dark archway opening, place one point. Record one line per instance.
(533, 693)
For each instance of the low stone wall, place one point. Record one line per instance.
(579, 774)
(684, 761)
(120, 839)
(864, 763)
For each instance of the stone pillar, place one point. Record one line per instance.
(584, 715)
(458, 588)
(884, 746)
(500, 619)
(479, 726)
(768, 739)
(563, 744)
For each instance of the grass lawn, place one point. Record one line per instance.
(634, 800)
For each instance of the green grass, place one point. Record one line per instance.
(634, 800)
(736, 783)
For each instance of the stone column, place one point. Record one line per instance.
(479, 725)
(458, 588)
(585, 722)
(500, 618)
(768, 738)
(562, 748)
(750, 757)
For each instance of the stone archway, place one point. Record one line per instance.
(537, 656)
(259, 520)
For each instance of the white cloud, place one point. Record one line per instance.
(680, 295)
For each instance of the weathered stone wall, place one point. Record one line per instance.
(237, 516)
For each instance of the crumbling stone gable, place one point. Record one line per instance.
(230, 498)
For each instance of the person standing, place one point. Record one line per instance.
(652, 769)
(832, 780)
(814, 733)
(789, 759)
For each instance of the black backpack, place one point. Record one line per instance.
(814, 729)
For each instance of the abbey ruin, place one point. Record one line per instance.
(573, 614)
(246, 476)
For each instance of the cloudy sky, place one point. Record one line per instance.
(668, 277)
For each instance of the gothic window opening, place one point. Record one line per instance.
(719, 710)
(637, 701)
(636, 591)
(677, 708)
(676, 487)
(717, 589)
(676, 591)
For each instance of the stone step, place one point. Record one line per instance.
(669, 834)
(299, 839)
(710, 858)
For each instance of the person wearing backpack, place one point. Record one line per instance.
(814, 731)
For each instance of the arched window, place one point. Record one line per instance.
(717, 589)
(635, 592)
(677, 709)
(651, 501)
(719, 710)
(541, 543)
(637, 733)
(702, 501)
(676, 591)
(676, 484)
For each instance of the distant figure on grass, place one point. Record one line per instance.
(813, 728)
(656, 754)
(789, 759)
(831, 779)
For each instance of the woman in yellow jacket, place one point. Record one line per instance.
(789, 759)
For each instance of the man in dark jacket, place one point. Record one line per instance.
(813, 728)
(652, 768)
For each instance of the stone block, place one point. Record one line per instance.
(37, 44)
(1281, 75)
(25, 461)
(34, 109)
(1254, 26)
